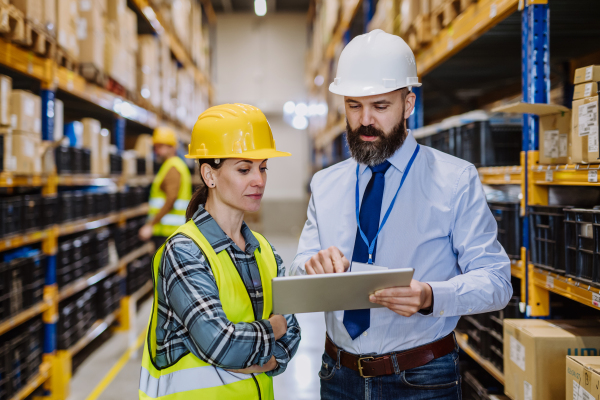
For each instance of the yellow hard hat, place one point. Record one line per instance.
(233, 131)
(164, 135)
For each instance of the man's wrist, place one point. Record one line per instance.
(428, 304)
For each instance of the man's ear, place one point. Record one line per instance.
(409, 104)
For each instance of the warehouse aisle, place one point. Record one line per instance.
(299, 382)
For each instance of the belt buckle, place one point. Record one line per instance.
(360, 367)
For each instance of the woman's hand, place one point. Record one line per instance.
(257, 369)
(279, 325)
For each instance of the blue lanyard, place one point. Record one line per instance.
(389, 210)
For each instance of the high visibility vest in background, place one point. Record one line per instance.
(191, 378)
(176, 217)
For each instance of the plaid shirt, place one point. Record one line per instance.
(190, 314)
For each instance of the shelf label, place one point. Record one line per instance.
(527, 391)
(507, 177)
(596, 299)
(593, 176)
(549, 175)
(550, 282)
(579, 392)
(517, 352)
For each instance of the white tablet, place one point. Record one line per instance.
(333, 292)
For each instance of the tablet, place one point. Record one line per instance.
(334, 292)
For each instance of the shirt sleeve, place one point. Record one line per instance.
(484, 284)
(286, 347)
(191, 293)
(309, 244)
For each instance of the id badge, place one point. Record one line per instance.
(364, 267)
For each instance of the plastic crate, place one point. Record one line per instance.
(1, 169)
(66, 207)
(101, 254)
(444, 141)
(5, 390)
(116, 164)
(86, 166)
(78, 204)
(489, 145)
(547, 235)
(62, 156)
(113, 202)
(49, 210)
(509, 226)
(11, 215)
(582, 234)
(76, 160)
(478, 385)
(32, 212)
(141, 166)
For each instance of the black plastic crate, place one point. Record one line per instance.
(102, 205)
(49, 210)
(89, 205)
(116, 164)
(86, 166)
(5, 390)
(478, 385)
(141, 166)
(113, 202)
(66, 206)
(489, 145)
(78, 204)
(101, 254)
(582, 234)
(76, 160)
(444, 141)
(509, 226)
(2, 169)
(62, 156)
(547, 235)
(11, 215)
(32, 212)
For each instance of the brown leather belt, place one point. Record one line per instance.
(371, 366)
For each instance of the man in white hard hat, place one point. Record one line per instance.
(396, 204)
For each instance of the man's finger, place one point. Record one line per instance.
(395, 292)
(397, 301)
(317, 267)
(326, 263)
(309, 269)
(338, 264)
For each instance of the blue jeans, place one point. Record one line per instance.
(438, 379)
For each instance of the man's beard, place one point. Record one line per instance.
(376, 152)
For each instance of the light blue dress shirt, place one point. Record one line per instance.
(440, 225)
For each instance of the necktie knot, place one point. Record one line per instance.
(380, 168)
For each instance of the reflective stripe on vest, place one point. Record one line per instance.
(176, 216)
(191, 378)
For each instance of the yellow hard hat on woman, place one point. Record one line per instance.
(233, 131)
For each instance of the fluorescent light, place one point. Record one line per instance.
(300, 122)
(322, 109)
(289, 107)
(319, 80)
(260, 7)
(301, 109)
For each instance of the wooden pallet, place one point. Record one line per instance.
(419, 34)
(93, 74)
(25, 33)
(65, 59)
(444, 14)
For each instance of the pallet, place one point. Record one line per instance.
(25, 33)
(93, 74)
(419, 34)
(444, 14)
(65, 59)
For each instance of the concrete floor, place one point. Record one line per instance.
(299, 382)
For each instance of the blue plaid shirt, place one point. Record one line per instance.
(190, 314)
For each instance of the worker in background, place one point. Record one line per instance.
(396, 204)
(170, 192)
(212, 335)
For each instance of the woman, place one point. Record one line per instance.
(211, 333)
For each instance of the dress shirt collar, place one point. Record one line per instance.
(215, 236)
(401, 157)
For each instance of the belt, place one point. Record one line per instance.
(371, 366)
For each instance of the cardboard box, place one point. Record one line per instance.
(32, 9)
(67, 16)
(49, 18)
(91, 49)
(585, 90)
(100, 157)
(26, 112)
(535, 355)
(583, 378)
(584, 131)
(25, 150)
(5, 91)
(114, 8)
(7, 156)
(59, 119)
(555, 129)
(148, 63)
(91, 133)
(587, 74)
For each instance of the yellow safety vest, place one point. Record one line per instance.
(191, 378)
(176, 217)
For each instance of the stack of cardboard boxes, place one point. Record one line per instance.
(26, 125)
(98, 141)
(6, 157)
(67, 24)
(121, 44)
(91, 36)
(148, 69)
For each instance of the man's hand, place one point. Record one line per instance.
(145, 232)
(405, 301)
(257, 369)
(327, 261)
(279, 325)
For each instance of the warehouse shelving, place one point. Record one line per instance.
(34, 383)
(461, 339)
(564, 286)
(24, 316)
(516, 268)
(94, 277)
(12, 242)
(501, 175)
(99, 327)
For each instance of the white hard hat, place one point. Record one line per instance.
(375, 63)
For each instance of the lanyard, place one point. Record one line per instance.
(389, 210)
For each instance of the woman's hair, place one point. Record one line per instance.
(201, 194)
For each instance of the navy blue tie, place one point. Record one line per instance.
(358, 321)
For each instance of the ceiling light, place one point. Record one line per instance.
(300, 122)
(319, 80)
(260, 7)
(301, 109)
(289, 107)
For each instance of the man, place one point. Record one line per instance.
(432, 215)
(171, 190)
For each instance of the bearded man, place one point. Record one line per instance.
(396, 204)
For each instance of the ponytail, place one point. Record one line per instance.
(200, 195)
